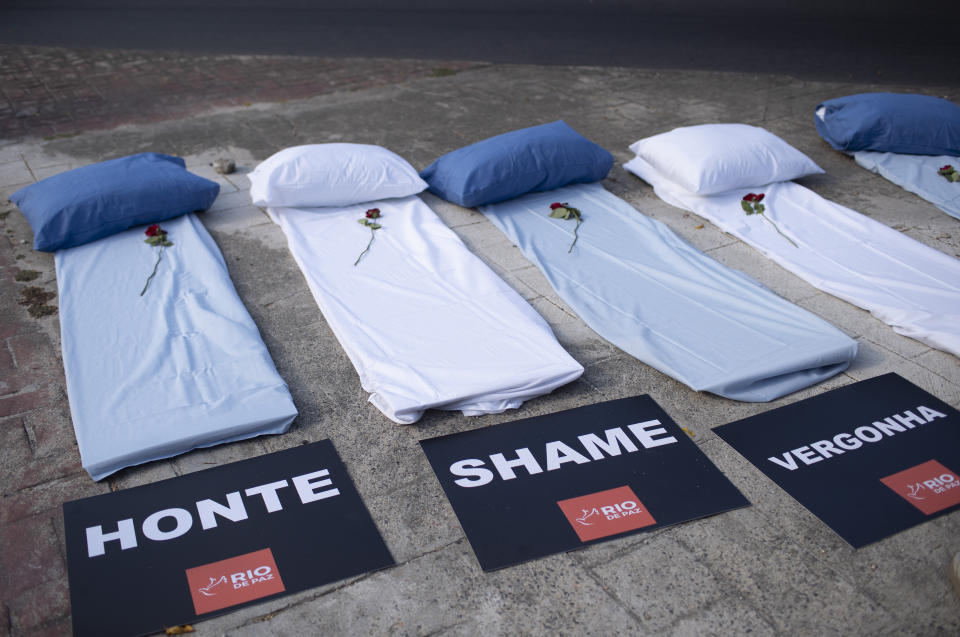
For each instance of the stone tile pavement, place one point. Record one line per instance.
(54, 92)
(772, 568)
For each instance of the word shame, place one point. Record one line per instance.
(310, 487)
(843, 442)
(590, 447)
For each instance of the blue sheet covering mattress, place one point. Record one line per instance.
(652, 294)
(918, 174)
(182, 366)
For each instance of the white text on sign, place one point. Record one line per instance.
(843, 442)
(614, 442)
(308, 487)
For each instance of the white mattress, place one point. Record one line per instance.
(425, 322)
(902, 282)
(182, 366)
(918, 174)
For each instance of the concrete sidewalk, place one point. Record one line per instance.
(767, 569)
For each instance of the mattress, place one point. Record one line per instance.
(180, 367)
(918, 174)
(658, 298)
(426, 323)
(910, 286)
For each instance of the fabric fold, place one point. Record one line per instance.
(658, 298)
(424, 321)
(917, 174)
(911, 287)
(180, 367)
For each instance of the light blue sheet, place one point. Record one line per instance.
(658, 298)
(182, 366)
(918, 174)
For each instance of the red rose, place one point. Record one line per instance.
(750, 197)
(760, 197)
(554, 206)
(153, 230)
(947, 167)
(373, 213)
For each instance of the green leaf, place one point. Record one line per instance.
(761, 208)
(560, 213)
(746, 207)
(374, 226)
(363, 222)
(167, 244)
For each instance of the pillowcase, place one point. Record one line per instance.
(89, 203)
(891, 123)
(332, 175)
(509, 165)
(713, 158)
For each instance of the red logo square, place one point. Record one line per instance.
(234, 581)
(930, 486)
(606, 513)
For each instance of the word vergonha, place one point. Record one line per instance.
(843, 442)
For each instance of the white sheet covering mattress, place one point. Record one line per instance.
(182, 366)
(902, 282)
(424, 321)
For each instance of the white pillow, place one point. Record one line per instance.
(332, 175)
(713, 158)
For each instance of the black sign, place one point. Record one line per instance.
(187, 548)
(869, 459)
(553, 483)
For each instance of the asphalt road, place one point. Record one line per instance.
(877, 46)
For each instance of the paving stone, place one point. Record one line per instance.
(941, 363)
(55, 628)
(231, 200)
(50, 171)
(233, 219)
(659, 581)
(809, 599)
(30, 556)
(851, 319)
(51, 467)
(21, 403)
(492, 247)
(47, 497)
(51, 431)
(414, 518)
(210, 457)
(728, 616)
(15, 452)
(39, 609)
(466, 600)
(453, 215)
(14, 172)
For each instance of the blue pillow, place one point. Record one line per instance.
(892, 123)
(509, 165)
(89, 203)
